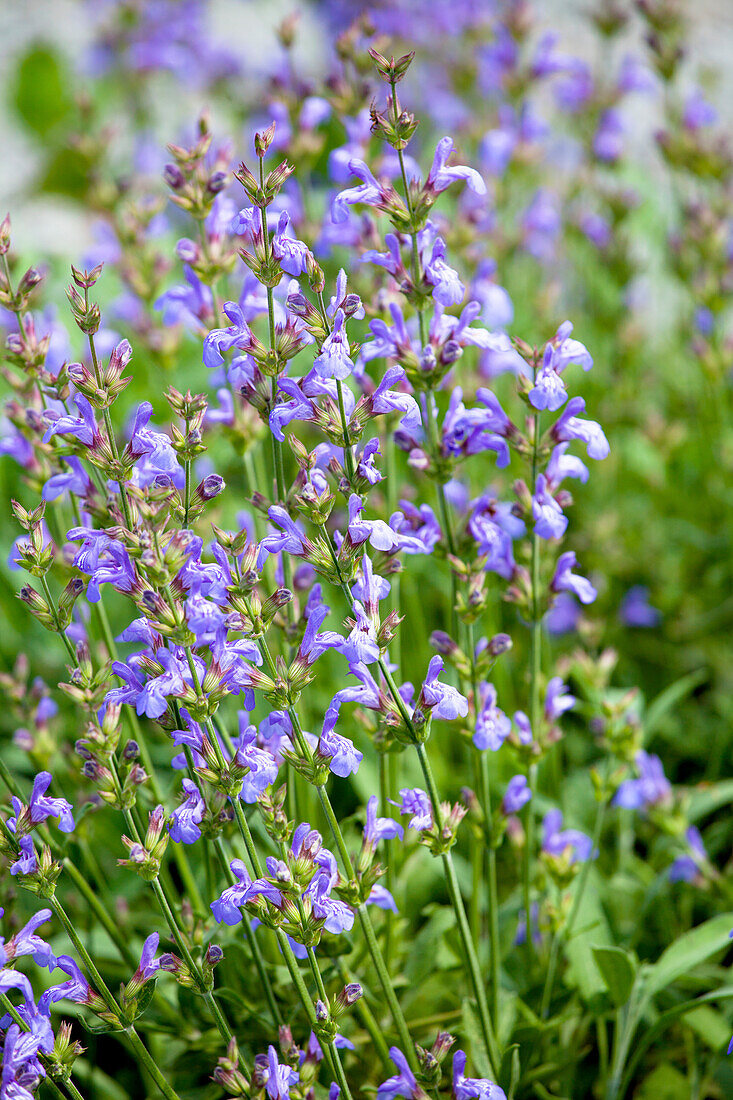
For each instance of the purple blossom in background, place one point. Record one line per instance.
(650, 788)
(557, 700)
(524, 727)
(556, 841)
(492, 725)
(516, 795)
(636, 610)
(687, 868)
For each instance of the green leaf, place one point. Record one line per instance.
(592, 931)
(670, 697)
(40, 90)
(705, 800)
(711, 1026)
(649, 1037)
(690, 950)
(618, 970)
(665, 1083)
(425, 954)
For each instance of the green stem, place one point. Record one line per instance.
(335, 1057)
(109, 427)
(535, 715)
(167, 910)
(487, 1029)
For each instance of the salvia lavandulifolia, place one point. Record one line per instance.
(308, 776)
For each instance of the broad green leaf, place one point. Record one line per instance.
(618, 970)
(710, 1025)
(647, 1038)
(40, 91)
(670, 697)
(705, 800)
(593, 931)
(690, 950)
(103, 1084)
(665, 1083)
(508, 1008)
(425, 952)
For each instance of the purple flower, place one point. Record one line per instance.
(361, 646)
(334, 360)
(403, 1084)
(649, 789)
(184, 824)
(76, 481)
(516, 795)
(565, 580)
(149, 965)
(220, 340)
(227, 907)
(40, 807)
(277, 1078)
(188, 304)
(75, 989)
(472, 1088)
(314, 644)
(636, 610)
(416, 802)
(379, 828)
(608, 140)
(441, 176)
(104, 560)
(569, 426)
(26, 942)
(524, 727)
(447, 287)
(370, 192)
(291, 253)
(688, 867)
(26, 863)
(556, 703)
(492, 724)
(344, 759)
(697, 112)
(442, 700)
(556, 841)
(84, 427)
(549, 521)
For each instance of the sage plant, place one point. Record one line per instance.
(326, 801)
